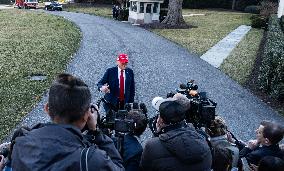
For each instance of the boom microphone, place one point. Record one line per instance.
(182, 86)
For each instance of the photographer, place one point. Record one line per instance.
(60, 145)
(132, 148)
(178, 147)
(268, 136)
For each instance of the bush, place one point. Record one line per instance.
(267, 8)
(271, 77)
(282, 22)
(5, 2)
(258, 21)
(254, 9)
(207, 4)
(242, 4)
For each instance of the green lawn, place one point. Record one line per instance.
(210, 29)
(240, 62)
(30, 43)
(99, 10)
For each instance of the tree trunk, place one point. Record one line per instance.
(174, 16)
(233, 4)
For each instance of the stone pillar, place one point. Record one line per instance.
(280, 8)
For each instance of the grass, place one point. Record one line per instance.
(210, 29)
(99, 10)
(240, 62)
(30, 43)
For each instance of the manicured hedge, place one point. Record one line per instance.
(5, 2)
(227, 4)
(271, 77)
(207, 4)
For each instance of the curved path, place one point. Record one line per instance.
(159, 66)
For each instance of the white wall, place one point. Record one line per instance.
(280, 8)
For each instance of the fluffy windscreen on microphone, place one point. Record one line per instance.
(143, 108)
(128, 106)
(135, 105)
(157, 101)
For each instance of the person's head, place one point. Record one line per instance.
(271, 163)
(171, 112)
(140, 121)
(217, 128)
(69, 101)
(222, 160)
(122, 61)
(269, 133)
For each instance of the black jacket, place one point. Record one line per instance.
(55, 147)
(254, 156)
(180, 149)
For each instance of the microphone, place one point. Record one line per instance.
(135, 105)
(182, 86)
(143, 108)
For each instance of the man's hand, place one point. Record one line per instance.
(230, 138)
(105, 88)
(2, 162)
(252, 144)
(93, 118)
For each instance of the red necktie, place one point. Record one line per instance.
(121, 88)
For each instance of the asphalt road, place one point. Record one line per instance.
(159, 66)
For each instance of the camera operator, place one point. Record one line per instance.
(178, 146)
(60, 145)
(132, 148)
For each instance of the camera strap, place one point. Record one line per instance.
(84, 159)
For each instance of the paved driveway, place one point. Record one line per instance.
(159, 66)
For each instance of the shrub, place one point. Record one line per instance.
(282, 22)
(254, 9)
(271, 77)
(5, 2)
(242, 4)
(258, 21)
(207, 4)
(267, 8)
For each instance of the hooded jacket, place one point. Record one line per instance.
(180, 149)
(55, 147)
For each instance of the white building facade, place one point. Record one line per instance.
(144, 11)
(280, 8)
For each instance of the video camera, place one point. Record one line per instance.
(117, 119)
(202, 109)
(201, 112)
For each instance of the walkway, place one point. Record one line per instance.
(159, 66)
(218, 53)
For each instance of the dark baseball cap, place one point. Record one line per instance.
(172, 112)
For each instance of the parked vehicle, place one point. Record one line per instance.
(27, 4)
(53, 6)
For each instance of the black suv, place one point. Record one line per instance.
(53, 6)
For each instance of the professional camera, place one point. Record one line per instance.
(202, 109)
(117, 119)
